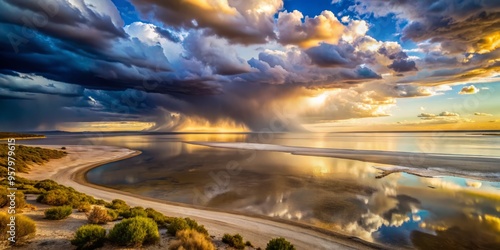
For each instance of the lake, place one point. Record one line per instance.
(400, 209)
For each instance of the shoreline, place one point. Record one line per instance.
(256, 228)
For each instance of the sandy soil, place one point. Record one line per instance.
(70, 171)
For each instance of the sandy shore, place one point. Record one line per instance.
(428, 164)
(71, 170)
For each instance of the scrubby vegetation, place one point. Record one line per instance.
(113, 215)
(134, 212)
(191, 239)
(279, 244)
(25, 227)
(5, 200)
(26, 156)
(99, 215)
(179, 224)
(160, 219)
(58, 213)
(235, 241)
(61, 195)
(135, 232)
(89, 237)
(84, 207)
(7, 135)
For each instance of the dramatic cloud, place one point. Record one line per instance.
(226, 62)
(468, 90)
(459, 26)
(323, 28)
(214, 53)
(239, 21)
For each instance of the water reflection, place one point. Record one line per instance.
(400, 209)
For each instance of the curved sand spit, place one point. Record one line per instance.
(71, 170)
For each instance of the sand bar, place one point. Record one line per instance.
(467, 166)
(71, 170)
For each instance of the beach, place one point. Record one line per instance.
(71, 170)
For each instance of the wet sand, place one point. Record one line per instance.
(71, 171)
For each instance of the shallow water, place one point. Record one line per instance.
(399, 210)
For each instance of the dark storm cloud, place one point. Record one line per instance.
(458, 25)
(27, 84)
(403, 65)
(437, 58)
(400, 62)
(128, 64)
(328, 55)
(61, 20)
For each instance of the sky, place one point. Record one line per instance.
(244, 65)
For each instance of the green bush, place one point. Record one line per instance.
(47, 185)
(279, 244)
(89, 237)
(191, 239)
(57, 197)
(160, 219)
(5, 200)
(178, 224)
(84, 207)
(101, 202)
(98, 215)
(135, 232)
(134, 212)
(25, 227)
(235, 241)
(65, 196)
(58, 213)
(118, 204)
(20, 200)
(113, 215)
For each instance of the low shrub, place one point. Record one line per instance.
(98, 215)
(102, 202)
(134, 212)
(5, 200)
(235, 241)
(25, 227)
(89, 237)
(191, 239)
(84, 207)
(47, 185)
(160, 219)
(194, 225)
(118, 204)
(135, 232)
(279, 244)
(178, 224)
(113, 215)
(58, 213)
(56, 197)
